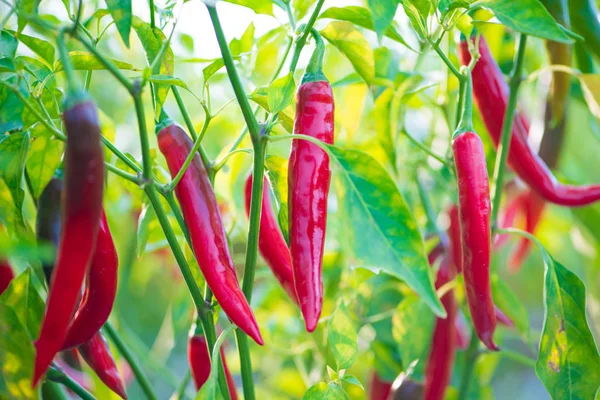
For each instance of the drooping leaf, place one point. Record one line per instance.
(281, 92)
(568, 362)
(167, 80)
(11, 107)
(342, 338)
(382, 12)
(412, 327)
(120, 10)
(82, 60)
(8, 44)
(381, 230)
(527, 16)
(27, 304)
(43, 158)
(41, 47)
(25, 9)
(13, 153)
(353, 45)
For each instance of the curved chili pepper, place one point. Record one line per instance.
(201, 214)
(200, 364)
(378, 388)
(47, 222)
(271, 243)
(455, 242)
(6, 275)
(100, 291)
(97, 355)
(474, 211)
(491, 95)
(84, 185)
(308, 184)
(443, 343)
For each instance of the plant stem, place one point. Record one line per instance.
(180, 392)
(125, 175)
(135, 368)
(305, 32)
(469, 364)
(55, 374)
(445, 59)
(426, 149)
(152, 18)
(143, 132)
(128, 161)
(178, 216)
(504, 146)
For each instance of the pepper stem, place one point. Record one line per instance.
(466, 120)
(163, 121)
(75, 91)
(314, 69)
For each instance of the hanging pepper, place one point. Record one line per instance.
(200, 364)
(271, 243)
(84, 181)
(100, 291)
(97, 355)
(474, 211)
(308, 184)
(491, 95)
(47, 223)
(203, 219)
(379, 389)
(6, 275)
(454, 234)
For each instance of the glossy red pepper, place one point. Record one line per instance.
(84, 184)
(491, 95)
(200, 364)
(6, 275)
(47, 222)
(203, 219)
(443, 343)
(474, 211)
(271, 243)
(378, 388)
(97, 355)
(308, 184)
(100, 291)
(454, 235)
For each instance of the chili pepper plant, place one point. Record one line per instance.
(299, 199)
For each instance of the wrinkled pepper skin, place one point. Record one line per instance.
(47, 221)
(203, 219)
(271, 243)
(199, 359)
(309, 177)
(378, 388)
(491, 95)
(474, 211)
(97, 355)
(443, 344)
(82, 206)
(100, 291)
(6, 275)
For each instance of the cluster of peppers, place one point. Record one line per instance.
(70, 217)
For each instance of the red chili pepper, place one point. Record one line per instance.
(379, 389)
(533, 207)
(97, 355)
(201, 214)
(200, 364)
(455, 238)
(100, 291)
(6, 275)
(491, 95)
(308, 184)
(474, 210)
(84, 184)
(271, 243)
(443, 344)
(47, 222)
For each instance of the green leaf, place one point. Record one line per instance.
(41, 47)
(352, 380)
(212, 69)
(243, 44)
(25, 8)
(383, 12)
(353, 45)
(25, 301)
(11, 108)
(278, 177)
(82, 60)
(301, 7)
(362, 17)
(383, 126)
(43, 159)
(120, 10)
(269, 47)
(51, 100)
(147, 217)
(13, 153)
(527, 16)
(258, 6)
(152, 41)
(39, 70)
(342, 338)
(286, 116)
(509, 303)
(8, 44)
(412, 328)
(167, 80)
(281, 93)
(324, 391)
(425, 7)
(568, 362)
(381, 230)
